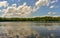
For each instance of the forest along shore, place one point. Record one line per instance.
(42, 19)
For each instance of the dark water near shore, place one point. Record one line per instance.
(29, 30)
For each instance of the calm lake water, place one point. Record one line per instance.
(29, 30)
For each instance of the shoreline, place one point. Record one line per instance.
(35, 21)
(38, 19)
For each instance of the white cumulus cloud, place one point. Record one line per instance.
(41, 2)
(54, 1)
(3, 3)
(22, 10)
(52, 6)
(50, 13)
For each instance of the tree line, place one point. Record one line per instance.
(31, 19)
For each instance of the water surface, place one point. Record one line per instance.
(29, 30)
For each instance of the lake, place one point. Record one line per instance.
(29, 30)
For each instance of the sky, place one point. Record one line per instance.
(29, 8)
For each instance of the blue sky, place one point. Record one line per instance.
(44, 10)
(53, 9)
